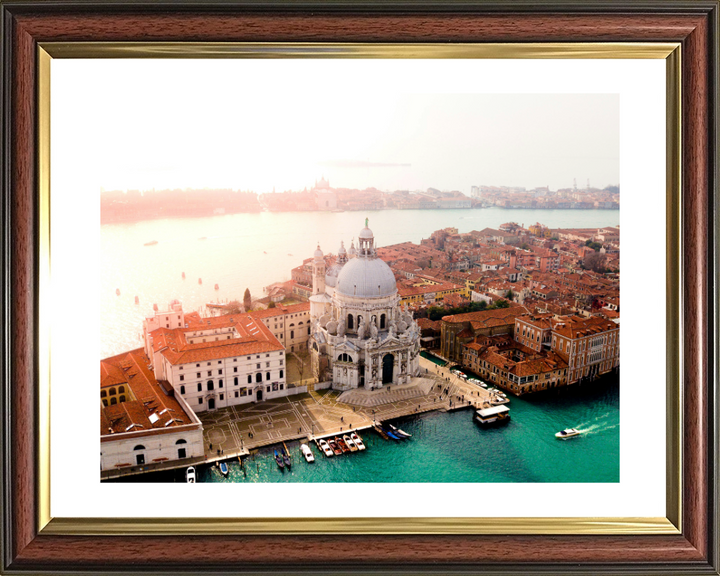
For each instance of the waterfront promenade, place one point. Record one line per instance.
(238, 430)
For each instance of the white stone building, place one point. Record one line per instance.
(361, 337)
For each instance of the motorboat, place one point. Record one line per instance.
(305, 449)
(497, 399)
(223, 468)
(349, 443)
(335, 448)
(358, 441)
(341, 443)
(492, 415)
(190, 475)
(279, 460)
(567, 433)
(399, 432)
(324, 446)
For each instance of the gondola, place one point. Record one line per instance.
(279, 460)
(399, 432)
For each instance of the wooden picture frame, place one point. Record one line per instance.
(30, 545)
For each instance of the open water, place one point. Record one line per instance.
(252, 251)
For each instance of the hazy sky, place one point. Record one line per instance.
(264, 124)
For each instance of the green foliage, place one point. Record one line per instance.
(510, 295)
(499, 304)
(271, 305)
(247, 299)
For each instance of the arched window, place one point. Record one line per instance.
(199, 386)
(103, 394)
(210, 385)
(139, 447)
(236, 381)
(281, 373)
(181, 441)
(292, 333)
(258, 377)
(350, 322)
(300, 323)
(105, 403)
(291, 325)
(267, 376)
(112, 391)
(122, 398)
(249, 378)
(113, 400)
(220, 383)
(359, 321)
(121, 389)
(182, 389)
(382, 321)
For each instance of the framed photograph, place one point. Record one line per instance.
(348, 167)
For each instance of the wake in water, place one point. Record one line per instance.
(597, 425)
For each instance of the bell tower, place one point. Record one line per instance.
(318, 267)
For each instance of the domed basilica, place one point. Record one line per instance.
(361, 336)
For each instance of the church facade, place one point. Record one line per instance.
(361, 337)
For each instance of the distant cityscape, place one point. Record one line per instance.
(136, 205)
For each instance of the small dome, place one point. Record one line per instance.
(366, 278)
(366, 233)
(318, 253)
(342, 250)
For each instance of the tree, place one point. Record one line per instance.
(271, 305)
(595, 261)
(233, 307)
(510, 295)
(500, 304)
(247, 299)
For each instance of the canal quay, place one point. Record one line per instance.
(237, 431)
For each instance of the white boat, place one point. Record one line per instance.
(325, 447)
(350, 443)
(497, 400)
(305, 449)
(492, 415)
(190, 475)
(358, 441)
(223, 468)
(567, 433)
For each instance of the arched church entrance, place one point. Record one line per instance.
(387, 368)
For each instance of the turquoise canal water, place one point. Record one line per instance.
(450, 447)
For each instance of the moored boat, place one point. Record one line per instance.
(305, 449)
(279, 460)
(392, 435)
(190, 475)
(223, 468)
(567, 433)
(349, 443)
(358, 441)
(493, 415)
(399, 432)
(341, 443)
(380, 431)
(335, 448)
(325, 447)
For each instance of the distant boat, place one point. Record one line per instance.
(117, 291)
(137, 300)
(568, 433)
(493, 415)
(183, 275)
(217, 286)
(203, 238)
(399, 432)
(223, 468)
(199, 280)
(264, 252)
(289, 254)
(151, 243)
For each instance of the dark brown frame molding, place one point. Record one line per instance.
(25, 24)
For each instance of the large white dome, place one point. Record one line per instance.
(366, 278)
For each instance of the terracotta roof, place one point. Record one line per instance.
(134, 415)
(488, 317)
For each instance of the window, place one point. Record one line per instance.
(199, 400)
(197, 375)
(281, 362)
(350, 322)
(199, 386)
(257, 366)
(121, 389)
(220, 371)
(292, 333)
(267, 355)
(268, 389)
(197, 365)
(113, 400)
(235, 369)
(182, 377)
(139, 447)
(236, 394)
(220, 383)
(103, 393)
(281, 373)
(382, 321)
(209, 372)
(267, 376)
(267, 364)
(258, 377)
(210, 385)
(122, 398)
(182, 389)
(208, 363)
(235, 381)
(281, 386)
(105, 403)
(112, 392)
(222, 396)
(308, 330)
(249, 378)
